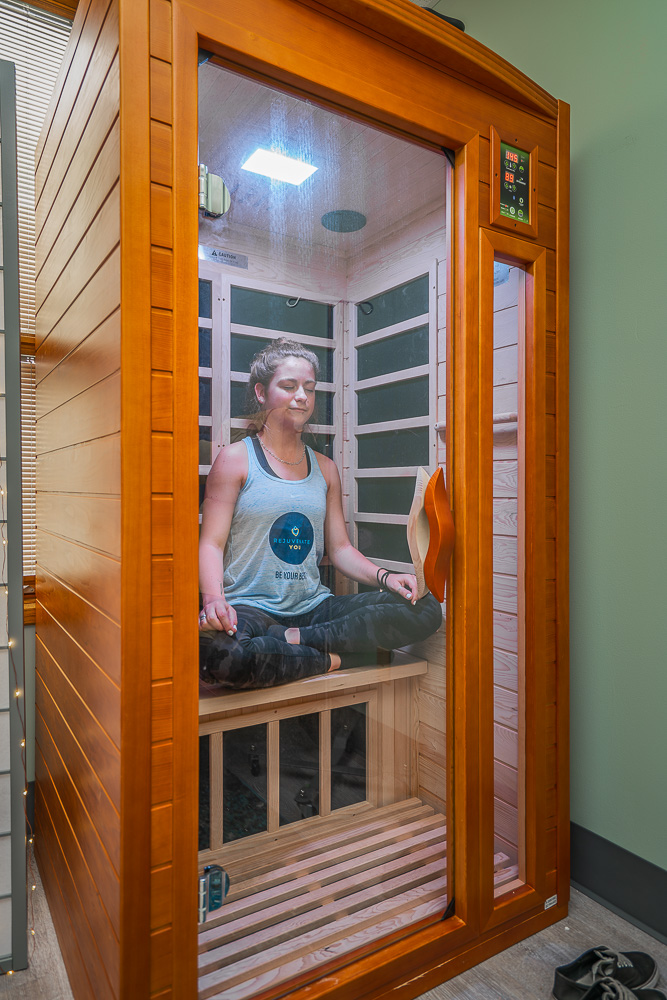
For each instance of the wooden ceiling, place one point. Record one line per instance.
(387, 179)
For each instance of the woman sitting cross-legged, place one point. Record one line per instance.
(272, 508)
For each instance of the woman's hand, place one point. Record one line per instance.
(218, 616)
(403, 584)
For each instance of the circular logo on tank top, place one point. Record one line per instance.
(291, 537)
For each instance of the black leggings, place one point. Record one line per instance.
(353, 626)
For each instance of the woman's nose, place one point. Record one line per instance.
(300, 393)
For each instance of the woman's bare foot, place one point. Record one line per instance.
(335, 662)
(293, 636)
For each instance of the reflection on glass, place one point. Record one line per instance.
(508, 575)
(205, 299)
(385, 495)
(393, 306)
(317, 762)
(393, 354)
(299, 768)
(243, 350)
(204, 445)
(391, 402)
(205, 397)
(349, 758)
(383, 541)
(386, 449)
(244, 782)
(279, 312)
(205, 356)
(204, 794)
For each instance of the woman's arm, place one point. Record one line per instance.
(224, 482)
(342, 552)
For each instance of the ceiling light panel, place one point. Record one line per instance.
(278, 167)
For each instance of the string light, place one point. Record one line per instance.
(10, 643)
(17, 693)
(25, 791)
(22, 743)
(33, 887)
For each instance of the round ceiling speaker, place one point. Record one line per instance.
(343, 220)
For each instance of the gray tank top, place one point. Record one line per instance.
(276, 541)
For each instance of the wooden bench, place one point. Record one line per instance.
(388, 696)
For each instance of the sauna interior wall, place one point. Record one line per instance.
(78, 711)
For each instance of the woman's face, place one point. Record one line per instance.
(290, 394)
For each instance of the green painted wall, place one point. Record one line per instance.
(607, 60)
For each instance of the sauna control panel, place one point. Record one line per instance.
(514, 183)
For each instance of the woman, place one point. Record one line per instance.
(272, 508)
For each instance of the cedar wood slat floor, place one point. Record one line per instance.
(524, 972)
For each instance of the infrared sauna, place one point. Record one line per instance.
(356, 831)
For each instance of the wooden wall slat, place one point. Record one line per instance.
(161, 834)
(162, 638)
(162, 401)
(162, 340)
(162, 953)
(83, 727)
(161, 153)
(97, 303)
(73, 960)
(88, 626)
(160, 29)
(78, 717)
(163, 711)
(96, 357)
(91, 684)
(162, 887)
(106, 878)
(96, 801)
(162, 771)
(84, 468)
(92, 575)
(162, 466)
(100, 927)
(90, 415)
(162, 540)
(98, 243)
(77, 910)
(56, 245)
(91, 521)
(73, 114)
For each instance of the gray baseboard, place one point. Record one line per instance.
(625, 883)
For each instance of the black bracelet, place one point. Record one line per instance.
(380, 569)
(382, 583)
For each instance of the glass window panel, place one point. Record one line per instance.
(393, 306)
(244, 782)
(299, 768)
(238, 393)
(388, 495)
(244, 349)
(348, 755)
(204, 793)
(383, 541)
(204, 445)
(508, 582)
(387, 449)
(205, 356)
(324, 408)
(205, 397)
(254, 308)
(205, 299)
(395, 401)
(323, 443)
(393, 354)
(202, 489)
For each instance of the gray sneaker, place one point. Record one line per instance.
(632, 969)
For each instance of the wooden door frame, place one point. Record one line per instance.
(394, 32)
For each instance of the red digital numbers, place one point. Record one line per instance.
(509, 177)
(514, 157)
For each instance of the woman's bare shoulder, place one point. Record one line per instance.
(328, 468)
(231, 464)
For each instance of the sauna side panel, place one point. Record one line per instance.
(78, 714)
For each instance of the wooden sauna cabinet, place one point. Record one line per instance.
(117, 703)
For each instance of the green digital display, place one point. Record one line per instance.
(514, 183)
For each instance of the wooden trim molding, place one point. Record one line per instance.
(519, 229)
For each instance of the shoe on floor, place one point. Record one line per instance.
(633, 969)
(611, 989)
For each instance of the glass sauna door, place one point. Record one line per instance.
(323, 797)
